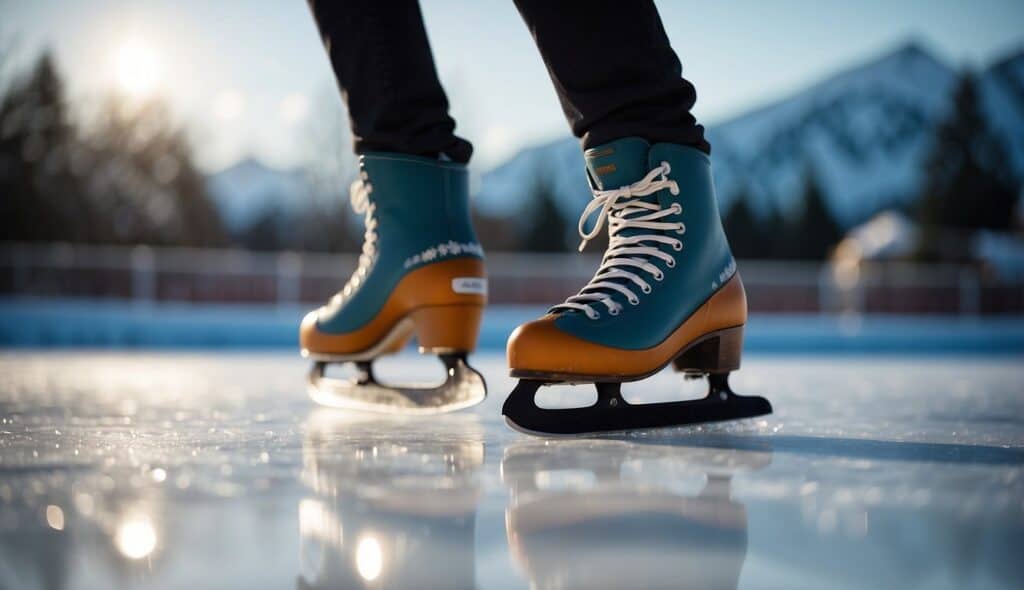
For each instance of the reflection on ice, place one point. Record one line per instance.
(610, 514)
(369, 559)
(392, 504)
(177, 470)
(136, 536)
(78, 539)
(55, 517)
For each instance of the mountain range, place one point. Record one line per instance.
(863, 132)
(248, 191)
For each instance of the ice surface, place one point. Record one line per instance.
(193, 470)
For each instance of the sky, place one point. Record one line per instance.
(249, 77)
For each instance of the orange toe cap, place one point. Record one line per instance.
(539, 346)
(540, 349)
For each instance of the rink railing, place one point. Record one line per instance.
(143, 273)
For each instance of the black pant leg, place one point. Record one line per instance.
(384, 66)
(613, 68)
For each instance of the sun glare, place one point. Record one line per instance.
(136, 68)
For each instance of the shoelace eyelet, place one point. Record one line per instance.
(682, 229)
(619, 209)
(677, 246)
(671, 263)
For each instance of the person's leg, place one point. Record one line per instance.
(422, 270)
(667, 290)
(383, 64)
(615, 73)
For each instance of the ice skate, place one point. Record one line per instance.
(667, 291)
(558, 531)
(421, 274)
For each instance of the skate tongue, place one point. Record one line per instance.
(617, 163)
(620, 163)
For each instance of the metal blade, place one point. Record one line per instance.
(463, 387)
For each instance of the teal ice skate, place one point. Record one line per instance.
(421, 274)
(667, 291)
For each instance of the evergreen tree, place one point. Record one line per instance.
(42, 199)
(327, 224)
(746, 233)
(813, 229)
(131, 179)
(783, 233)
(546, 225)
(968, 182)
(497, 233)
(265, 233)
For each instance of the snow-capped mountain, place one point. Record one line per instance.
(559, 163)
(864, 132)
(248, 191)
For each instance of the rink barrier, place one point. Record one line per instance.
(144, 275)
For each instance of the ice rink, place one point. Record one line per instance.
(211, 470)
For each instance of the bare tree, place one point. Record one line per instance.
(331, 167)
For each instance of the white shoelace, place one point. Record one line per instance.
(623, 208)
(359, 197)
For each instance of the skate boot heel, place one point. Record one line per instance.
(442, 329)
(718, 352)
